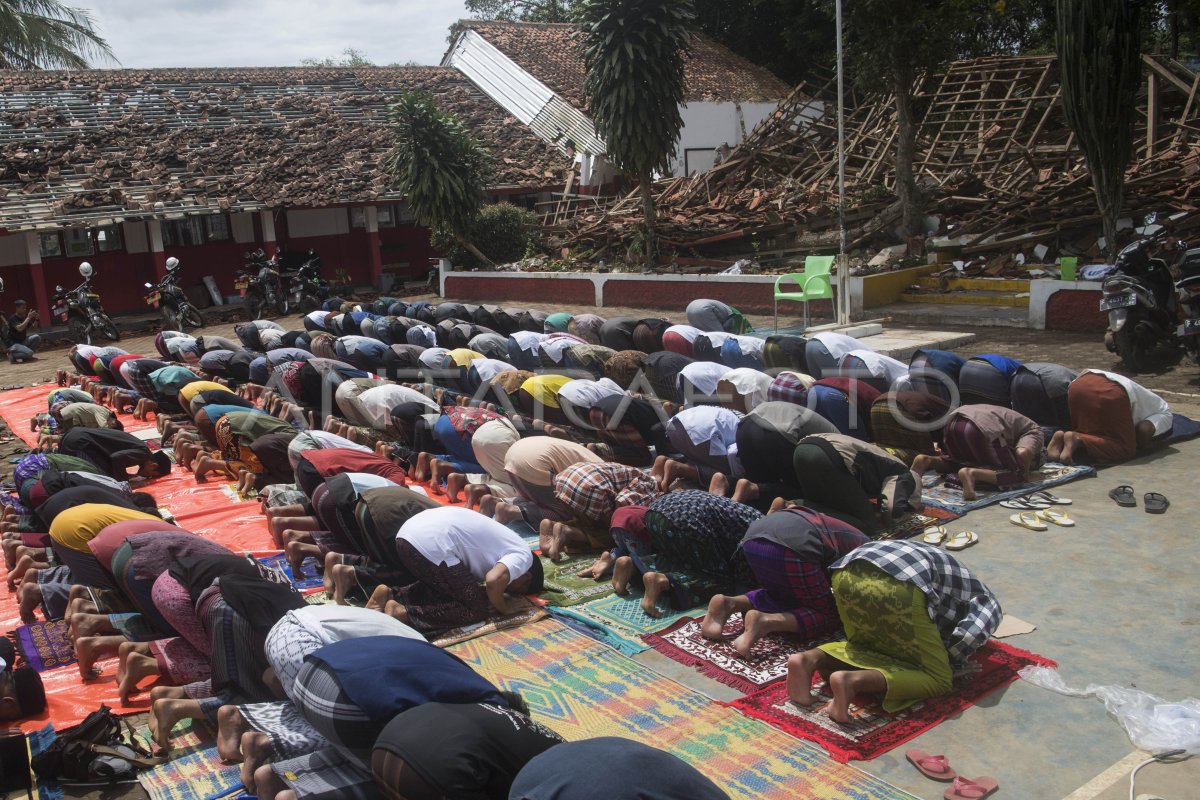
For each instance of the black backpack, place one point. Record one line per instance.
(95, 750)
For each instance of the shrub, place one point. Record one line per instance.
(502, 231)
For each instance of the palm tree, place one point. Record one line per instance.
(45, 34)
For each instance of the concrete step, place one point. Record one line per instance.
(1011, 300)
(976, 284)
(947, 316)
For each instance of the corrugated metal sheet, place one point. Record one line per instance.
(525, 97)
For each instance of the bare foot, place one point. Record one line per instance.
(719, 485)
(966, 476)
(751, 634)
(719, 610)
(137, 667)
(230, 727)
(379, 598)
(800, 670)
(552, 539)
(623, 569)
(164, 715)
(90, 649)
(344, 581)
(599, 568)
(255, 749)
(655, 584)
(397, 611)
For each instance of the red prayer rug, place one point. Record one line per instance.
(873, 731)
(767, 664)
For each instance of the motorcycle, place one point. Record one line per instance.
(177, 312)
(260, 285)
(308, 288)
(1139, 297)
(1188, 287)
(80, 310)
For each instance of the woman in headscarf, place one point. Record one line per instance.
(789, 552)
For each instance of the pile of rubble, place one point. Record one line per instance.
(995, 158)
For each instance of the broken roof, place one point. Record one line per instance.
(545, 50)
(94, 146)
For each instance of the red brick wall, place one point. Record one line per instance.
(675, 295)
(542, 293)
(1075, 311)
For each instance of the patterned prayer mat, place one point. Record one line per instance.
(683, 642)
(468, 632)
(309, 578)
(195, 771)
(46, 645)
(873, 731)
(564, 588)
(618, 621)
(583, 689)
(935, 492)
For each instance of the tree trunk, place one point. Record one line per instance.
(906, 146)
(473, 250)
(649, 213)
(1110, 196)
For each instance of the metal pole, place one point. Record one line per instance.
(843, 316)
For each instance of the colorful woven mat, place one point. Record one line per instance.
(583, 689)
(618, 621)
(872, 731)
(565, 588)
(46, 645)
(195, 771)
(717, 659)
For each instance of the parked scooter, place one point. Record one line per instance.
(1188, 286)
(177, 312)
(1139, 296)
(80, 310)
(308, 288)
(260, 286)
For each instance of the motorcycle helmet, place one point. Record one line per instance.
(172, 264)
(85, 269)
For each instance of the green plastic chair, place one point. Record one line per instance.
(815, 284)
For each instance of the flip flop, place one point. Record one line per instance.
(934, 535)
(936, 768)
(1155, 503)
(1028, 519)
(1023, 504)
(1046, 497)
(962, 540)
(967, 789)
(1057, 517)
(1124, 496)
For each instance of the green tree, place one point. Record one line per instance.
(633, 51)
(1099, 58)
(788, 37)
(349, 58)
(525, 10)
(505, 233)
(438, 165)
(45, 34)
(892, 43)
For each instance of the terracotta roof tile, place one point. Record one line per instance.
(545, 50)
(78, 146)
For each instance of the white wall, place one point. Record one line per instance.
(305, 222)
(12, 250)
(136, 239)
(707, 126)
(242, 226)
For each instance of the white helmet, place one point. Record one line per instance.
(172, 263)
(85, 269)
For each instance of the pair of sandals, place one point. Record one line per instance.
(1155, 503)
(936, 535)
(1042, 519)
(1034, 502)
(937, 768)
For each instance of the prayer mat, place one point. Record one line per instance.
(1183, 428)
(46, 645)
(309, 579)
(195, 771)
(936, 493)
(874, 731)
(468, 632)
(618, 621)
(583, 689)
(565, 588)
(767, 664)
(913, 524)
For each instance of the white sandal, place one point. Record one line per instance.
(934, 535)
(962, 540)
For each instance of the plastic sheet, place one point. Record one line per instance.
(1152, 723)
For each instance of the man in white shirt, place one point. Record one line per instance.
(466, 566)
(1112, 418)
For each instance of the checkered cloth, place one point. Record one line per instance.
(964, 610)
(595, 490)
